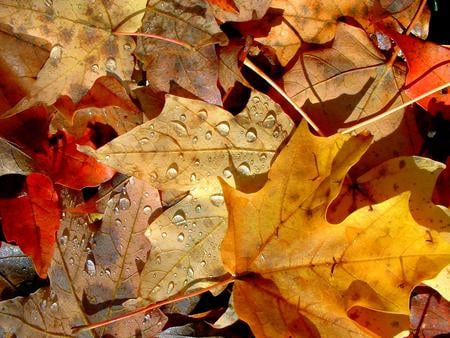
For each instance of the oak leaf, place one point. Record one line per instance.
(70, 27)
(32, 219)
(302, 273)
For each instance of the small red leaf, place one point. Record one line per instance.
(32, 219)
(70, 168)
(428, 68)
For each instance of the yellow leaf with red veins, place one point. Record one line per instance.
(306, 276)
(84, 46)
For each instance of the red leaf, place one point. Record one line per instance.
(226, 5)
(32, 219)
(428, 68)
(68, 167)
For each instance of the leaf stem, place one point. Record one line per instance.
(280, 91)
(393, 110)
(159, 37)
(228, 279)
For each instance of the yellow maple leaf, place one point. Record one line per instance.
(300, 276)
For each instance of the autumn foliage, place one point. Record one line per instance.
(281, 154)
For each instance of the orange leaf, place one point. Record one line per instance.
(428, 68)
(32, 219)
(226, 5)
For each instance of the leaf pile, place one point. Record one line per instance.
(140, 162)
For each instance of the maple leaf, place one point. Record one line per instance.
(316, 21)
(302, 273)
(69, 27)
(196, 69)
(185, 148)
(428, 67)
(32, 219)
(92, 273)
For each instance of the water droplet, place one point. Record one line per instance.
(147, 318)
(170, 287)
(54, 307)
(71, 260)
(172, 171)
(108, 272)
(251, 135)
(198, 208)
(244, 168)
(156, 289)
(163, 234)
(127, 47)
(180, 237)
(202, 114)
(144, 140)
(95, 68)
(90, 267)
(276, 132)
(217, 199)
(263, 157)
(107, 158)
(56, 52)
(182, 117)
(158, 259)
(179, 218)
(190, 272)
(208, 135)
(147, 210)
(197, 162)
(227, 173)
(124, 203)
(153, 176)
(223, 128)
(256, 99)
(270, 120)
(43, 304)
(179, 128)
(132, 180)
(111, 65)
(64, 238)
(202, 263)
(194, 139)
(193, 178)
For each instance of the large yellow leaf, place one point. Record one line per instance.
(301, 273)
(83, 44)
(185, 148)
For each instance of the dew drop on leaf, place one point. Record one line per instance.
(244, 168)
(147, 210)
(179, 218)
(127, 47)
(179, 128)
(208, 135)
(158, 259)
(227, 173)
(193, 178)
(43, 305)
(56, 52)
(270, 120)
(90, 267)
(95, 68)
(54, 307)
(198, 208)
(111, 65)
(202, 114)
(172, 171)
(153, 176)
(263, 157)
(223, 128)
(124, 203)
(202, 263)
(147, 318)
(180, 237)
(170, 287)
(164, 234)
(190, 272)
(144, 140)
(251, 135)
(108, 272)
(217, 199)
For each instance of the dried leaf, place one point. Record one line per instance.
(32, 219)
(345, 83)
(69, 27)
(247, 10)
(304, 273)
(13, 160)
(226, 5)
(316, 21)
(191, 22)
(428, 68)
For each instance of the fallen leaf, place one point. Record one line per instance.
(302, 273)
(229, 68)
(32, 219)
(195, 69)
(415, 174)
(428, 68)
(226, 5)
(13, 160)
(92, 274)
(69, 27)
(247, 10)
(67, 166)
(345, 83)
(316, 21)
(185, 148)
